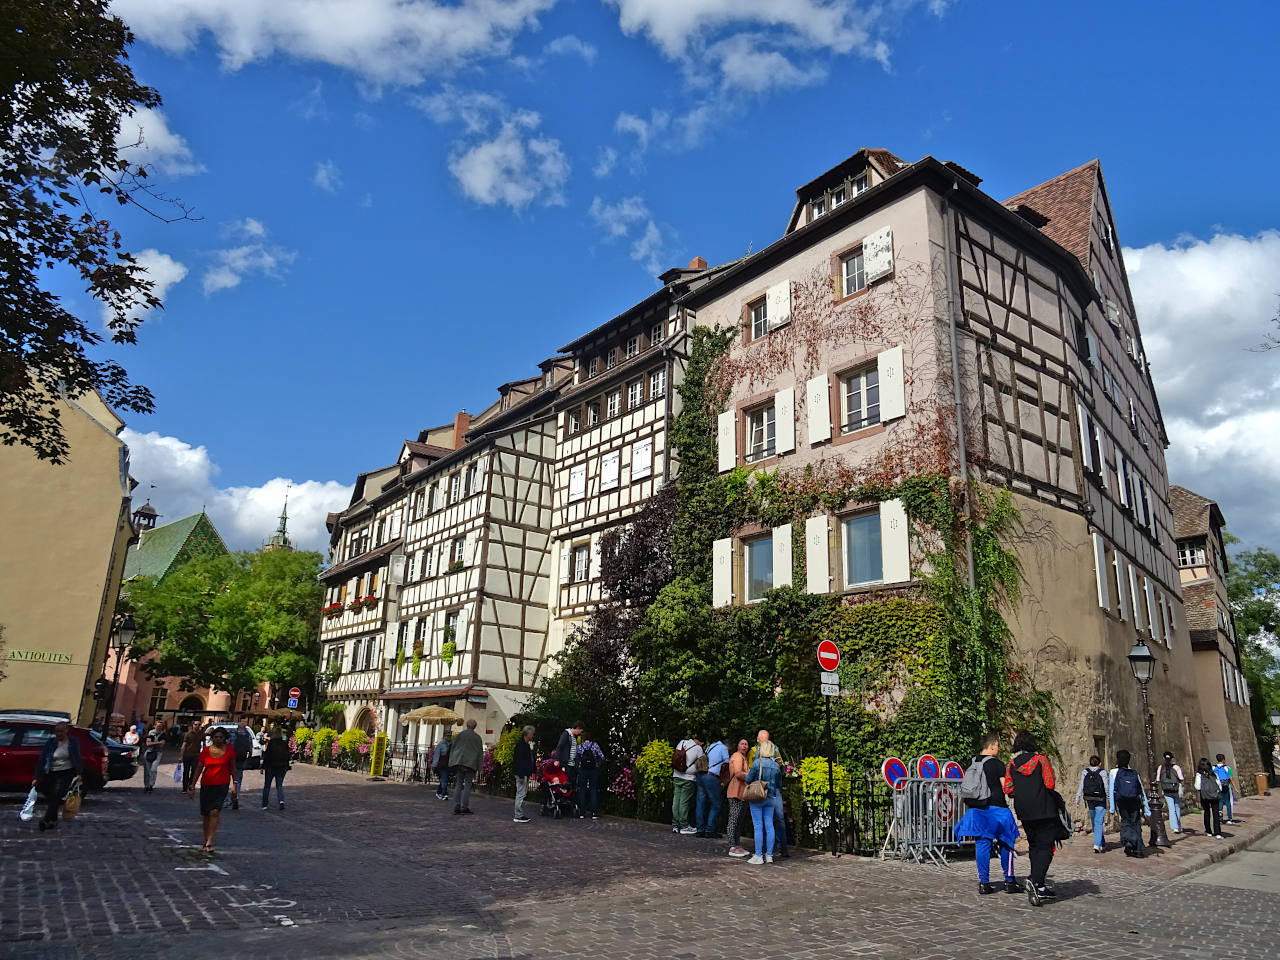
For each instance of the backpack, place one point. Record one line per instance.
(975, 788)
(678, 762)
(1128, 784)
(1210, 789)
(588, 760)
(1093, 785)
(701, 765)
(1168, 779)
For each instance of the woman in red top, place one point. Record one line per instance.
(215, 773)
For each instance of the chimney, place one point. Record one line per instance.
(698, 263)
(461, 424)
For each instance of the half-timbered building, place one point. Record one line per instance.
(904, 309)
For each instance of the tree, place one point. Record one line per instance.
(1253, 589)
(65, 86)
(231, 622)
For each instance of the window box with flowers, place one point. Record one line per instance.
(355, 605)
(456, 566)
(369, 602)
(332, 611)
(417, 656)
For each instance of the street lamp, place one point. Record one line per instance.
(123, 630)
(1143, 663)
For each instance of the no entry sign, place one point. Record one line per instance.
(294, 693)
(828, 655)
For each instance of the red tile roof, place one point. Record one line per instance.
(1067, 200)
(1192, 513)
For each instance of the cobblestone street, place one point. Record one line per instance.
(357, 869)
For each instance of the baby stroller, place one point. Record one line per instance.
(560, 800)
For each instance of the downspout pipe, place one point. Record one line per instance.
(951, 244)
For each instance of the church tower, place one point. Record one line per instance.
(280, 539)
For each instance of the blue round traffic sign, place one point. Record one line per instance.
(927, 767)
(894, 772)
(952, 770)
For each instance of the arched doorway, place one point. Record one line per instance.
(364, 721)
(191, 704)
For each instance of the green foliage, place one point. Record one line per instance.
(303, 736)
(327, 711)
(322, 742)
(1253, 588)
(417, 661)
(350, 742)
(504, 750)
(399, 657)
(815, 784)
(447, 651)
(653, 767)
(232, 622)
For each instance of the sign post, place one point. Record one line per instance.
(829, 660)
(294, 695)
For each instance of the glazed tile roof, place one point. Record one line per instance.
(1067, 200)
(160, 550)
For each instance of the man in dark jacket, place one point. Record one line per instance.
(1029, 779)
(242, 744)
(567, 751)
(522, 767)
(465, 755)
(275, 764)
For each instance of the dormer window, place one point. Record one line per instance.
(838, 196)
(593, 367)
(657, 333)
(859, 183)
(593, 413)
(633, 347)
(819, 207)
(611, 359)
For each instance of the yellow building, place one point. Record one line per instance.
(66, 532)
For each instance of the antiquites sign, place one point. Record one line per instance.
(39, 656)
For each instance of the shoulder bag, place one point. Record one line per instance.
(757, 791)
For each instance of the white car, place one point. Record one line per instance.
(255, 752)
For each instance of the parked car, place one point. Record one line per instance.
(122, 758)
(255, 752)
(23, 736)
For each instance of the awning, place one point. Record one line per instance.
(434, 693)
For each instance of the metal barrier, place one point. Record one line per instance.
(925, 812)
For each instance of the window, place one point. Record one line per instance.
(451, 628)
(611, 359)
(359, 586)
(455, 487)
(419, 503)
(859, 183)
(159, 694)
(862, 556)
(373, 581)
(402, 637)
(471, 480)
(593, 413)
(382, 532)
(635, 394)
(657, 333)
(593, 367)
(581, 563)
(759, 574)
(838, 196)
(860, 400)
(342, 593)
(431, 498)
(657, 384)
(759, 319)
(1190, 555)
(613, 403)
(411, 567)
(852, 276)
(368, 652)
(457, 548)
(760, 433)
(575, 421)
(1108, 239)
(633, 347)
(819, 207)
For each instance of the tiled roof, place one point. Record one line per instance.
(889, 162)
(158, 551)
(364, 560)
(1191, 513)
(1067, 200)
(426, 449)
(1200, 603)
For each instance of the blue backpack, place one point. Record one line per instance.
(1128, 784)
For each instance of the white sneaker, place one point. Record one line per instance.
(768, 858)
(688, 831)
(675, 829)
(756, 859)
(1218, 836)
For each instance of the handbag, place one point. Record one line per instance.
(757, 791)
(71, 806)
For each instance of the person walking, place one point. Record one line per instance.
(684, 766)
(275, 764)
(440, 764)
(590, 759)
(1227, 781)
(763, 812)
(1169, 777)
(242, 746)
(522, 766)
(1129, 800)
(707, 783)
(465, 754)
(192, 743)
(567, 751)
(737, 784)
(1029, 779)
(1210, 789)
(215, 776)
(56, 770)
(152, 751)
(1094, 789)
(987, 818)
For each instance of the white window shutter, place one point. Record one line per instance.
(593, 570)
(1102, 453)
(1133, 598)
(565, 559)
(784, 420)
(1100, 572)
(722, 572)
(641, 459)
(1092, 346)
(818, 410)
(895, 542)
(577, 482)
(726, 442)
(460, 633)
(1086, 449)
(877, 254)
(1122, 477)
(474, 541)
(1122, 591)
(609, 464)
(893, 391)
(778, 303)
(817, 560)
(1152, 615)
(782, 555)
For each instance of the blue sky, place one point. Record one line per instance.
(404, 204)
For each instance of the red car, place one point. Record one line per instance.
(23, 736)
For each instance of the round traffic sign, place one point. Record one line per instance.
(927, 767)
(894, 772)
(945, 806)
(294, 693)
(952, 770)
(828, 655)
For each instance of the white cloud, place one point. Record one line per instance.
(327, 176)
(162, 270)
(606, 160)
(570, 45)
(1202, 305)
(231, 265)
(382, 41)
(246, 516)
(630, 218)
(145, 139)
(643, 130)
(477, 111)
(745, 66)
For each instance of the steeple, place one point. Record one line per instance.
(145, 517)
(280, 539)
